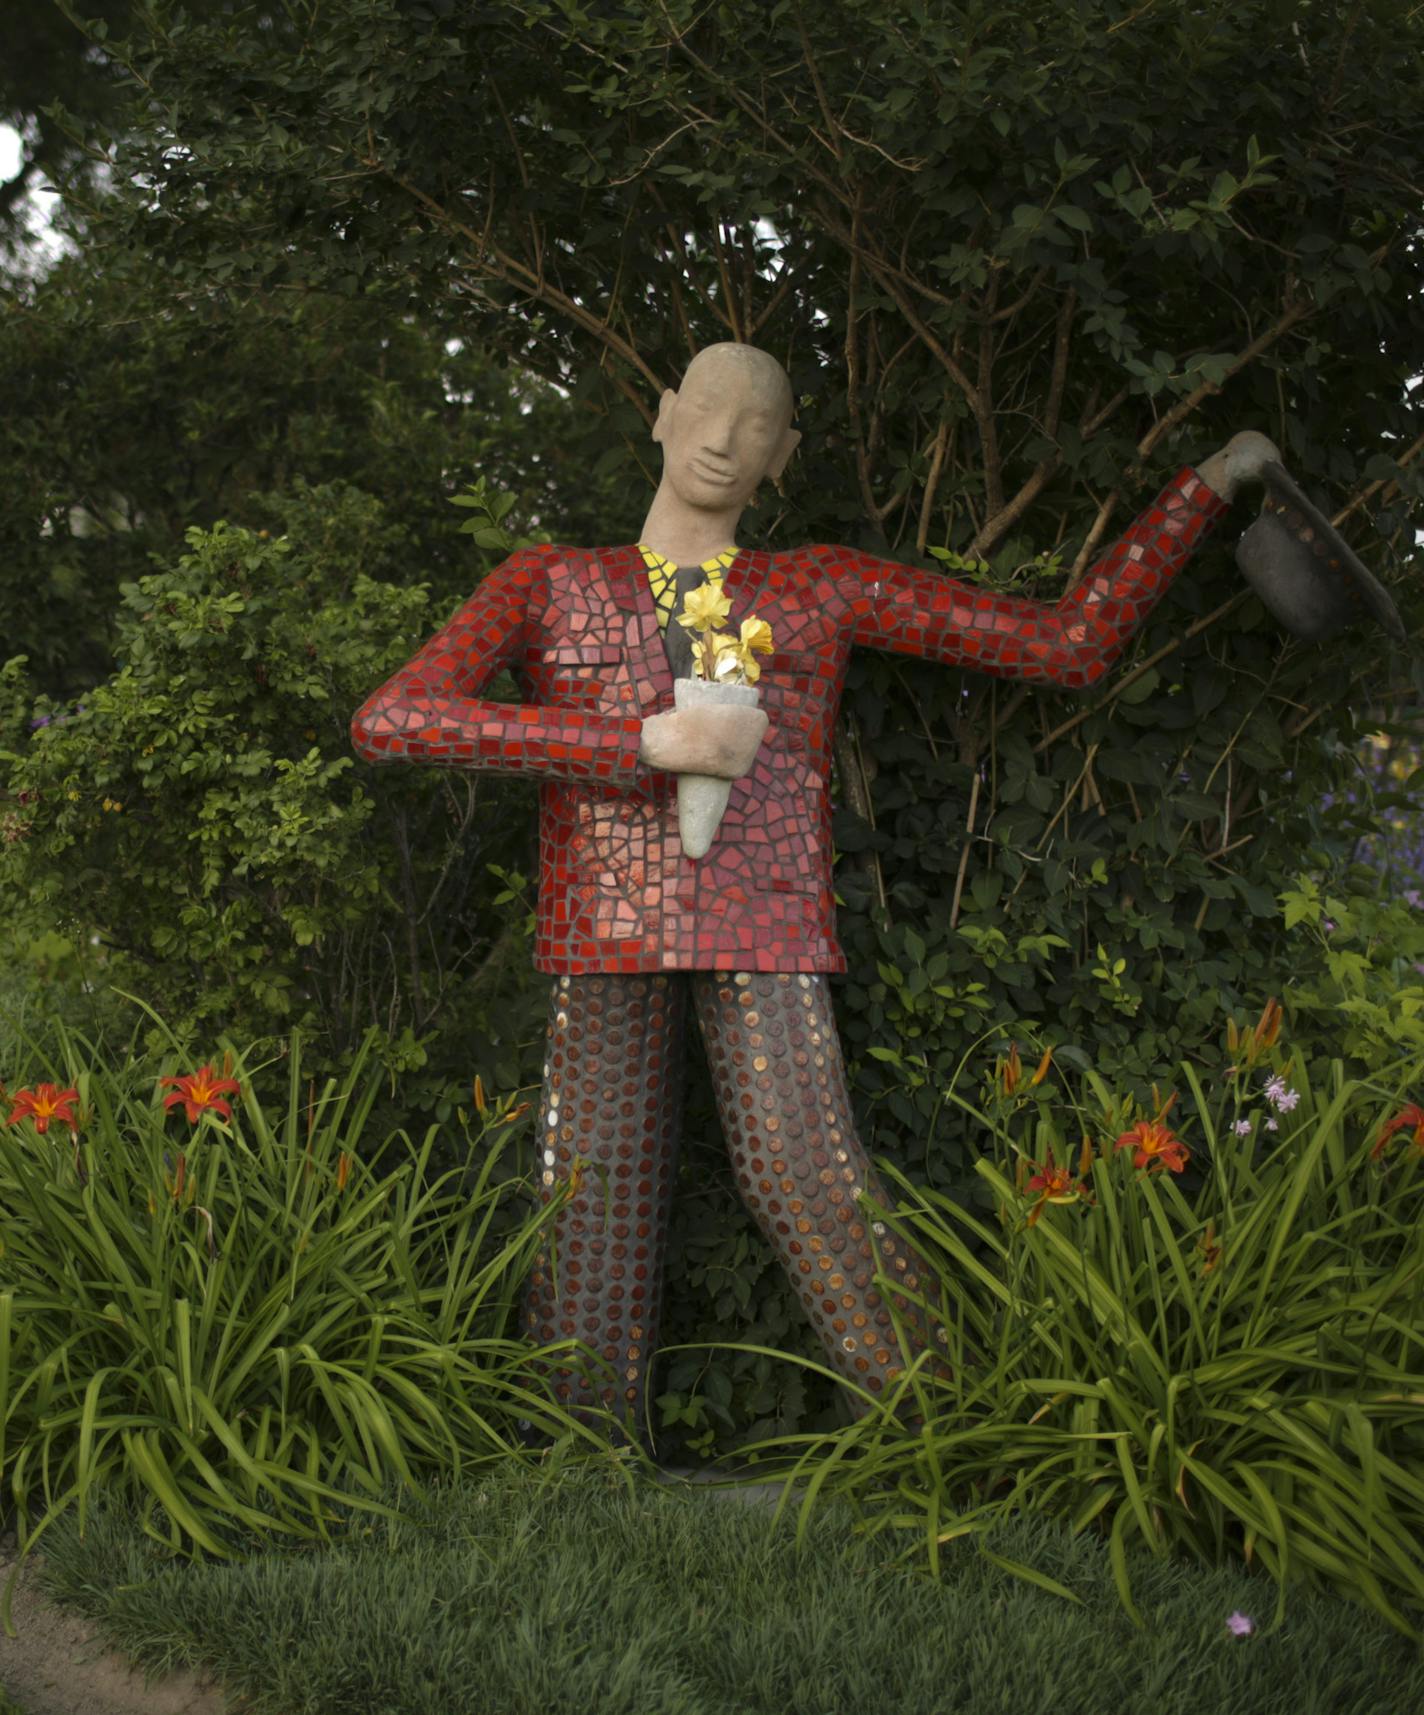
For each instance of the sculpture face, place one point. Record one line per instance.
(726, 428)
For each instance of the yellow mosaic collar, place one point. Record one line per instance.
(662, 577)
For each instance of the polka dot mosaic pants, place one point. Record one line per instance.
(610, 1115)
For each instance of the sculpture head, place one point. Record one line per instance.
(726, 428)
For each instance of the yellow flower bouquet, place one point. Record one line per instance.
(726, 670)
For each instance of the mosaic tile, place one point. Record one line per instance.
(611, 1111)
(580, 631)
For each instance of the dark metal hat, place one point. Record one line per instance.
(1305, 571)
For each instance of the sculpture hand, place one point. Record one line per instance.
(717, 740)
(1240, 461)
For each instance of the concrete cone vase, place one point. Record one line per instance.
(702, 798)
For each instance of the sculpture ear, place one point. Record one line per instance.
(777, 463)
(665, 408)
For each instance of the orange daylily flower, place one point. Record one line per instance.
(1155, 1146)
(1055, 1185)
(1268, 1025)
(1209, 1247)
(1009, 1072)
(1410, 1119)
(200, 1092)
(478, 1092)
(42, 1105)
(1252, 1043)
(343, 1169)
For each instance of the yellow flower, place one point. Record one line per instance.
(726, 663)
(704, 609)
(756, 636)
(755, 640)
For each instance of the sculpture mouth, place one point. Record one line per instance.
(711, 473)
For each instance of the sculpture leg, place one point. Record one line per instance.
(780, 1082)
(612, 1104)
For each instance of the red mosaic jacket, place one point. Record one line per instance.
(579, 631)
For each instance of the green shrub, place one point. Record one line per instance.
(251, 1325)
(204, 814)
(1218, 1353)
(1358, 966)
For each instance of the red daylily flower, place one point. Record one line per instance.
(1056, 1185)
(46, 1102)
(1410, 1119)
(1155, 1146)
(200, 1092)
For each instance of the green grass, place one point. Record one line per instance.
(585, 1594)
(8, 1705)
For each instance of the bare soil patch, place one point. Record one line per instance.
(58, 1664)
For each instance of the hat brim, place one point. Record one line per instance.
(1305, 571)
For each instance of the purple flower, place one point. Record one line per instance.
(1240, 1625)
(1271, 1125)
(1242, 1128)
(40, 720)
(1280, 1095)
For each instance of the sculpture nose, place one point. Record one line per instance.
(717, 436)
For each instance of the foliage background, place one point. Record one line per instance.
(335, 264)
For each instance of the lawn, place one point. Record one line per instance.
(584, 1594)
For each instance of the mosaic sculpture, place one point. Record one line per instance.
(634, 932)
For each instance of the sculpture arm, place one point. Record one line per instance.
(1072, 642)
(431, 709)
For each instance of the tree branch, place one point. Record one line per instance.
(1293, 313)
